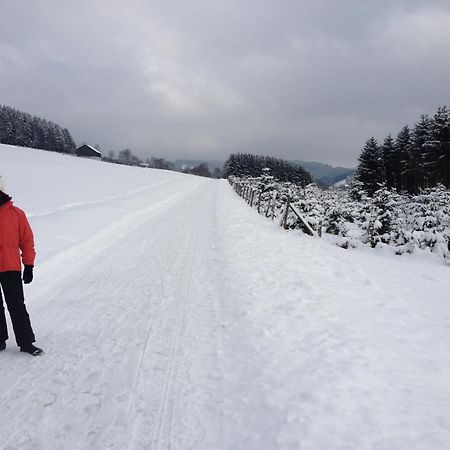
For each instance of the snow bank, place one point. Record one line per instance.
(330, 348)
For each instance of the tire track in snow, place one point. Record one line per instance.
(70, 206)
(92, 249)
(143, 352)
(150, 414)
(165, 413)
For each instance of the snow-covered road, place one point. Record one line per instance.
(173, 316)
(112, 313)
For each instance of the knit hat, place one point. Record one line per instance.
(2, 184)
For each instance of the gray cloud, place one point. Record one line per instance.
(298, 79)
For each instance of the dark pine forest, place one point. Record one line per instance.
(25, 130)
(417, 158)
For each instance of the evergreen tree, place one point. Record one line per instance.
(388, 162)
(369, 170)
(231, 166)
(6, 125)
(402, 146)
(69, 143)
(416, 176)
(437, 148)
(383, 216)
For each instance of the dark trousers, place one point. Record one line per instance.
(11, 283)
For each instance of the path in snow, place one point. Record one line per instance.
(178, 318)
(114, 330)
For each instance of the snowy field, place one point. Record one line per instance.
(175, 317)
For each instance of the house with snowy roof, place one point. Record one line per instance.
(87, 151)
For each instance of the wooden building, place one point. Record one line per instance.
(87, 151)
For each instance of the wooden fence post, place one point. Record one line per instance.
(286, 213)
(251, 200)
(268, 206)
(273, 207)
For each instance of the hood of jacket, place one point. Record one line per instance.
(4, 198)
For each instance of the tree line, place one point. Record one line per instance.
(415, 159)
(25, 130)
(126, 157)
(248, 165)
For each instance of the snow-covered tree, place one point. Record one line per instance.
(244, 164)
(437, 148)
(388, 162)
(24, 130)
(401, 154)
(369, 170)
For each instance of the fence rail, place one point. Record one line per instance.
(249, 194)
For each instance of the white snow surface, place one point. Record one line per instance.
(175, 317)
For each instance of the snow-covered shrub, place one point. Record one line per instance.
(383, 214)
(351, 218)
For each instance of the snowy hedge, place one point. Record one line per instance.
(351, 218)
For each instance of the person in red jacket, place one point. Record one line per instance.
(16, 243)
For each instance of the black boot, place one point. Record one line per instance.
(31, 349)
(2, 345)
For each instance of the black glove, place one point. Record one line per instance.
(28, 274)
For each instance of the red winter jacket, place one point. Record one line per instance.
(15, 236)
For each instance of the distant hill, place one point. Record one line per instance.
(326, 174)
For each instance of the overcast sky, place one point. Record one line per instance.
(298, 79)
